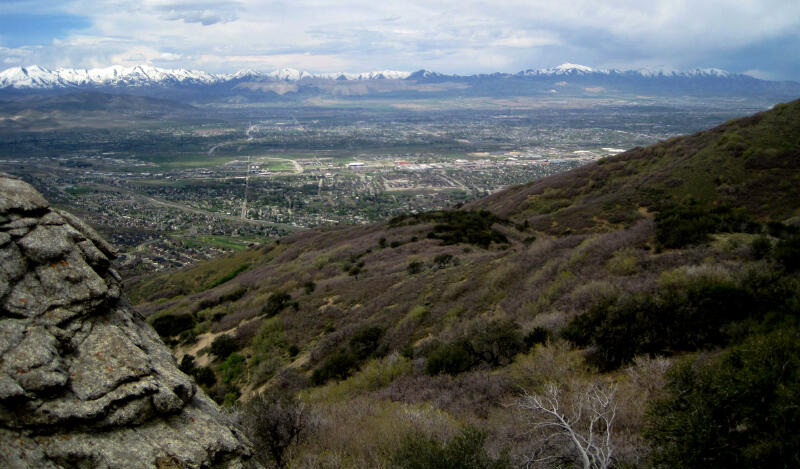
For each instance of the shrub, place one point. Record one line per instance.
(274, 423)
(464, 451)
(687, 318)
(224, 394)
(414, 267)
(309, 287)
(205, 376)
(687, 224)
(228, 277)
(232, 368)
(173, 324)
(497, 342)
(539, 335)
(455, 226)
(737, 411)
(276, 302)
(365, 341)
(682, 226)
(760, 247)
(187, 364)
(345, 360)
(339, 365)
(690, 315)
(787, 252)
(223, 345)
(451, 358)
(443, 260)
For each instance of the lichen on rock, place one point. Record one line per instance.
(84, 380)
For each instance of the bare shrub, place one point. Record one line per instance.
(554, 362)
(275, 424)
(571, 426)
(648, 374)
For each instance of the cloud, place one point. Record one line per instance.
(204, 13)
(451, 36)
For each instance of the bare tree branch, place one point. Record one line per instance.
(586, 425)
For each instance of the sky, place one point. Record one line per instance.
(757, 37)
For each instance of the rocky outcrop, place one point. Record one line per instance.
(84, 380)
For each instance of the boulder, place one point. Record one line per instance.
(84, 380)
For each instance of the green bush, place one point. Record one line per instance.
(205, 376)
(539, 335)
(494, 343)
(187, 364)
(228, 277)
(737, 411)
(414, 267)
(497, 342)
(464, 451)
(223, 345)
(345, 360)
(443, 260)
(692, 316)
(452, 358)
(457, 226)
(365, 341)
(339, 365)
(171, 325)
(688, 224)
(232, 368)
(276, 302)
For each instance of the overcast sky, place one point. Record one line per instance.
(758, 37)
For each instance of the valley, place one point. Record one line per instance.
(169, 187)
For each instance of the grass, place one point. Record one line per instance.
(226, 242)
(183, 161)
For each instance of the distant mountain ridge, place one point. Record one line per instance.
(36, 77)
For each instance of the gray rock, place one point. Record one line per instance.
(18, 196)
(45, 243)
(84, 380)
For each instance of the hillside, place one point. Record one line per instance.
(607, 275)
(750, 163)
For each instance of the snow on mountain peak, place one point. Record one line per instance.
(570, 67)
(36, 77)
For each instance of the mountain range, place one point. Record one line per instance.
(565, 79)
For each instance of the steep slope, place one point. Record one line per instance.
(84, 381)
(675, 249)
(751, 163)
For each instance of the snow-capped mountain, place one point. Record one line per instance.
(36, 77)
(567, 79)
(140, 75)
(570, 69)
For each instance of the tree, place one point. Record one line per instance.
(274, 423)
(735, 410)
(581, 421)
